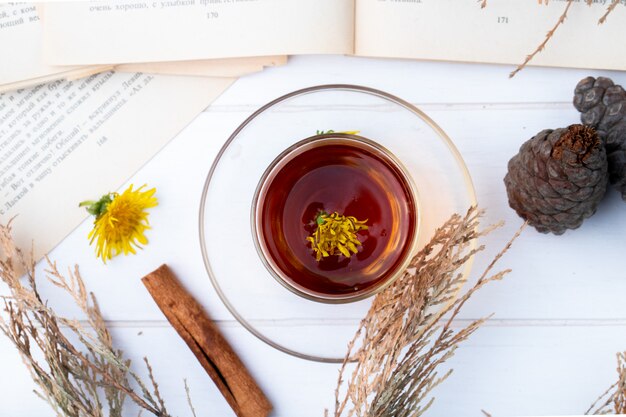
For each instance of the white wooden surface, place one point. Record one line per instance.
(560, 315)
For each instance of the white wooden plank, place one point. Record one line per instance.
(559, 315)
(508, 371)
(517, 371)
(416, 81)
(570, 276)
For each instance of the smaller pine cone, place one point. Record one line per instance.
(602, 105)
(558, 178)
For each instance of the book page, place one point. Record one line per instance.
(21, 24)
(228, 67)
(70, 141)
(504, 32)
(77, 72)
(90, 33)
(190, 68)
(21, 48)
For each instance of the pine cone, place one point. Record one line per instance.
(603, 106)
(558, 178)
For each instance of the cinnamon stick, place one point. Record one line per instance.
(207, 343)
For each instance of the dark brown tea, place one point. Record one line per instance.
(352, 178)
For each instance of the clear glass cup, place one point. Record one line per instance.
(393, 237)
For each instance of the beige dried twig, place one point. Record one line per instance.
(543, 44)
(75, 378)
(613, 400)
(407, 334)
(609, 10)
(188, 395)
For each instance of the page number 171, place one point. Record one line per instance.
(503, 19)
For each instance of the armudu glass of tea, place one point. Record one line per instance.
(335, 218)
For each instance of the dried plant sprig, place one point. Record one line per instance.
(404, 337)
(75, 378)
(609, 10)
(613, 400)
(188, 395)
(543, 44)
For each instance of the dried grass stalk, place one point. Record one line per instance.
(543, 44)
(613, 400)
(609, 9)
(87, 378)
(404, 338)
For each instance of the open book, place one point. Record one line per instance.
(96, 33)
(21, 31)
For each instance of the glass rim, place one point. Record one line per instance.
(469, 185)
(283, 158)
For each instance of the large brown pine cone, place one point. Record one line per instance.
(602, 105)
(558, 178)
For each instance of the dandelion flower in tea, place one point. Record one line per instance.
(336, 233)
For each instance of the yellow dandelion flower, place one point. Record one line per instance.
(336, 234)
(121, 220)
(347, 132)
